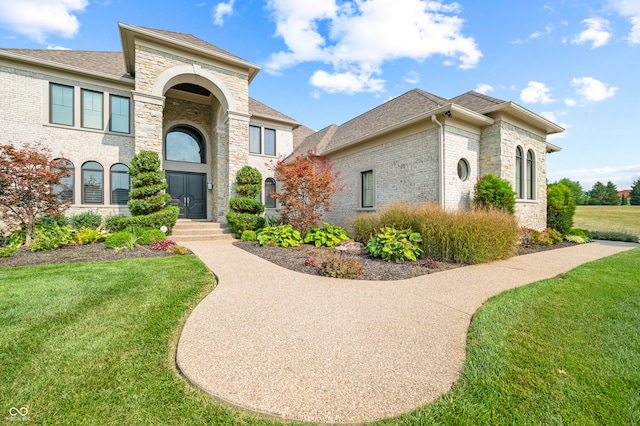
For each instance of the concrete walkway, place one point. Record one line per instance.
(317, 349)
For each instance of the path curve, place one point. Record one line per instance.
(309, 348)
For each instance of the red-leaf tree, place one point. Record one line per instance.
(306, 187)
(26, 177)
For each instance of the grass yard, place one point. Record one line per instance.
(93, 343)
(608, 218)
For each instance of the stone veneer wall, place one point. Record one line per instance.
(497, 156)
(405, 168)
(24, 118)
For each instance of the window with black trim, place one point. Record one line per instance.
(269, 187)
(269, 142)
(463, 169)
(255, 140)
(531, 182)
(61, 104)
(120, 114)
(120, 184)
(367, 192)
(92, 183)
(519, 173)
(186, 144)
(92, 103)
(64, 191)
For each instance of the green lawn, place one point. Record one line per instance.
(94, 343)
(608, 218)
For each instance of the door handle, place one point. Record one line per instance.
(186, 199)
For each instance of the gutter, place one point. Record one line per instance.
(441, 145)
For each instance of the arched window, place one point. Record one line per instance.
(92, 183)
(269, 187)
(120, 184)
(519, 173)
(531, 181)
(64, 191)
(184, 143)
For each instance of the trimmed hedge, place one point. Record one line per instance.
(165, 217)
(240, 222)
(246, 205)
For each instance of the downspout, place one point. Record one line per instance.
(441, 146)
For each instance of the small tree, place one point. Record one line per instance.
(576, 190)
(560, 208)
(604, 195)
(493, 191)
(307, 185)
(248, 182)
(634, 195)
(148, 184)
(624, 201)
(26, 179)
(246, 209)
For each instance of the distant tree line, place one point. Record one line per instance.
(601, 194)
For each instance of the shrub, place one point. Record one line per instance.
(88, 219)
(47, 220)
(240, 222)
(466, 236)
(392, 244)
(560, 208)
(248, 182)
(7, 251)
(576, 239)
(547, 237)
(50, 237)
(15, 239)
(148, 184)
(279, 236)
(492, 191)
(337, 267)
(164, 245)
(249, 235)
(580, 233)
(150, 236)
(121, 239)
(311, 261)
(165, 217)
(111, 222)
(328, 235)
(87, 235)
(246, 205)
(615, 236)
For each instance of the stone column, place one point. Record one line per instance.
(148, 122)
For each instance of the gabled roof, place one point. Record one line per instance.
(259, 110)
(475, 101)
(105, 64)
(187, 42)
(317, 141)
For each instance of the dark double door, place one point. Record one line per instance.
(188, 192)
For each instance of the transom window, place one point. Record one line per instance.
(92, 183)
(186, 144)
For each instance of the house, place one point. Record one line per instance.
(189, 101)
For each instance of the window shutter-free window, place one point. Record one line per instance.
(269, 142)
(92, 109)
(367, 188)
(61, 104)
(269, 187)
(120, 110)
(92, 183)
(120, 184)
(254, 140)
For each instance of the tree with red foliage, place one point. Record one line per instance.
(26, 178)
(307, 185)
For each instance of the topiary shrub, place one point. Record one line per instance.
(492, 191)
(392, 244)
(240, 222)
(248, 182)
(246, 205)
(148, 184)
(560, 208)
(165, 217)
(88, 219)
(279, 236)
(328, 235)
(150, 236)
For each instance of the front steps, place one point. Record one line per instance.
(199, 230)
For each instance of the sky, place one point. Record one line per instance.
(576, 63)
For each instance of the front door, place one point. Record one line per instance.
(188, 192)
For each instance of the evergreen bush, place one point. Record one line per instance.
(240, 222)
(560, 208)
(248, 182)
(492, 191)
(148, 184)
(88, 219)
(246, 205)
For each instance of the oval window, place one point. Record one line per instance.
(463, 169)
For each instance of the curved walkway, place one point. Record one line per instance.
(317, 349)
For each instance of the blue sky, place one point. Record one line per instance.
(327, 61)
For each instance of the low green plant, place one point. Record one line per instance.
(246, 205)
(50, 237)
(7, 251)
(165, 217)
(164, 245)
(15, 239)
(328, 235)
(279, 236)
(492, 191)
(111, 222)
(395, 245)
(150, 236)
(86, 235)
(240, 222)
(582, 233)
(547, 237)
(272, 220)
(575, 239)
(121, 239)
(48, 220)
(615, 236)
(341, 267)
(88, 219)
(249, 235)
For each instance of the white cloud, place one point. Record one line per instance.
(536, 92)
(570, 102)
(547, 30)
(37, 19)
(620, 176)
(57, 48)
(630, 9)
(347, 82)
(357, 37)
(221, 10)
(484, 88)
(597, 33)
(593, 90)
(551, 116)
(412, 78)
